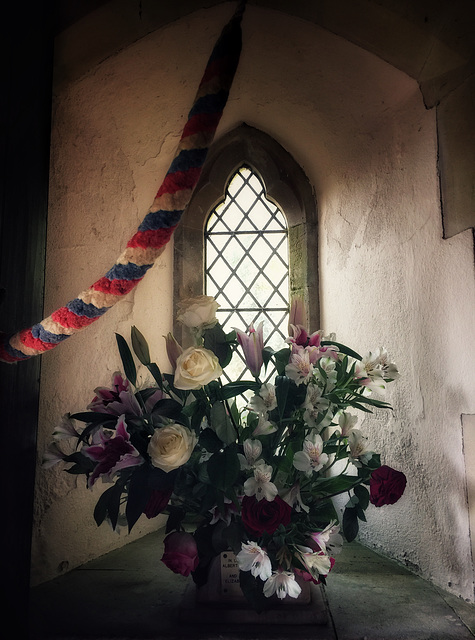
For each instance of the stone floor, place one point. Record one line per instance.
(129, 595)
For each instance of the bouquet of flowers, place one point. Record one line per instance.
(256, 475)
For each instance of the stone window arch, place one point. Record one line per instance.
(285, 184)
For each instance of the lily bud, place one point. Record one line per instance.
(174, 350)
(297, 314)
(252, 344)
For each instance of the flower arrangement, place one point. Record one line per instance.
(256, 477)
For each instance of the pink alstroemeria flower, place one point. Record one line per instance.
(112, 453)
(252, 344)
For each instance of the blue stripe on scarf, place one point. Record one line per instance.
(128, 271)
(81, 308)
(38, 331)
(212, 103)
(160, 220)
(188, 159)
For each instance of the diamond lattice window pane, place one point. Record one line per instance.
(247, 269)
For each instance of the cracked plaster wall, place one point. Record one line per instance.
(360, 131)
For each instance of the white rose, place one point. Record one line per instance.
(171, 446)
(195, 368)
(198, 312)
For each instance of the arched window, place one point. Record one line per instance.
(247, 263)
(248, 161)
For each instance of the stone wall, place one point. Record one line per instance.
(359, 129)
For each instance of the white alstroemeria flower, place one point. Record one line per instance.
(293, 498)
(65, 429)
(252, 451)
(254, 559)
(358, 444)
(264, 426)
(265, 400)
(299, 369)
(317, 420)
(314, 399)
(329, 367)
(329, 540)
(260, 485)
(317, 563)
(347, 423)
(390, 370)
(311, 458)
(52, 456)
(374, 370)
(282, 583)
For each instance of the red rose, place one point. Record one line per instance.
(157, 502)
(264, 516)
(386, 486)
(181, 553)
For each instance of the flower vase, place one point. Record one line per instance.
(221, 600)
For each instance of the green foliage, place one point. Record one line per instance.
(127, 359)
(287, 442)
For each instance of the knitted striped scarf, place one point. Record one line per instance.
(164, 215)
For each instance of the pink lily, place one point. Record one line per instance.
(252, 345)
(112, 453)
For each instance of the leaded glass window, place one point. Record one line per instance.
(247, 265)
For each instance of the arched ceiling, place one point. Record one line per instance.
(432, 41)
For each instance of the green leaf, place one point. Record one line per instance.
(233, 389)
(224, 468)
(375, 461)
(362, 494)
(140, 346)
(156, 373)
(108, 504)
(93, 417)
(281, 360)
(282, 386)
(221, 423)
(127, 359)
(216, 341)
(82, 464)
(210, 441)
(335, 485)
(175, 517)
(138, 495)
(168, 408)
(350, 523)
(342, 348)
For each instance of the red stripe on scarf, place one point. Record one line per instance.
(116, 287)
(26, 338)
(155, 238)
(200, 123)
(179, 180)
(67, 318)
